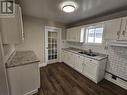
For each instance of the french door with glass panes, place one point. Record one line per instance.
(52, 44)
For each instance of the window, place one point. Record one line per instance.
(94, 34)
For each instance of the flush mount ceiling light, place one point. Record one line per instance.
(68, 6)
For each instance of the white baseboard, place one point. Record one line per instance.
(32, 92)
(42, 65)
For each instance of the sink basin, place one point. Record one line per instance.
(89, 54)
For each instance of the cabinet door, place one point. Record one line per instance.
(90, 68)
(62, 56)
(65, 57)
(79, 63)
(23, 79)
(12, 28)
(75, 34)
(112, 29)
(123, 32)
(68, 35)
(78, 34)
(71, 59)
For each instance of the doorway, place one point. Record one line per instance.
(52, 44)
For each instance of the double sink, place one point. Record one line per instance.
(89, 53)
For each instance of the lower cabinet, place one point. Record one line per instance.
(69, 58)
(92, 69)
(79, 63)
(24, 80)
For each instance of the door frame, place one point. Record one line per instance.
(51, 28)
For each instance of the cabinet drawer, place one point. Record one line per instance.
(91, 61)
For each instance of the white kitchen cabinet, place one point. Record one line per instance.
(73, 58)
(69, 36)
(116, 29)
(24, 80)
(76, 34)
(94, 69)
(79, 63)
(90, 68)
(69, 58)
(123, 32)
(12, 28)
(112, 29)
(65, 57)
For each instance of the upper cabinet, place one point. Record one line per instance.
(123, 31)
(12, 28)
(75, 34)
(112, 29)
(116, 29)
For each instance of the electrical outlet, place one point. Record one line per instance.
(114, 77)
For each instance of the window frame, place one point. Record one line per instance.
(100, 25)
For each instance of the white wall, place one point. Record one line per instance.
(3, 79)
(8, 49)
(34, 35)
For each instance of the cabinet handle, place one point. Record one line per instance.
(83, 64)
(123, 33)
(118, 33)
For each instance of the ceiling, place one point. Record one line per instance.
(49, 9)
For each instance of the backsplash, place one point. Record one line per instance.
(95, 48)
(117, 64)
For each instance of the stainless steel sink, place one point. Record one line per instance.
(87, 53)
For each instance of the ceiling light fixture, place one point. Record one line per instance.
(68, 6)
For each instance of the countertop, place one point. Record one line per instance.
(20, 58)
(76, 51)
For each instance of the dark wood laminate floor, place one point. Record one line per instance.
(59, 79)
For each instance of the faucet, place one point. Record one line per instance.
(90, 51)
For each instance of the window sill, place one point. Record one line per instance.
(94, 44)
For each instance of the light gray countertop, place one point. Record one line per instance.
(76, 51)
(20, 58)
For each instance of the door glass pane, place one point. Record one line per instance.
(52, 45)
(49, 34)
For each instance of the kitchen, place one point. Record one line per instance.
(79, 48)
